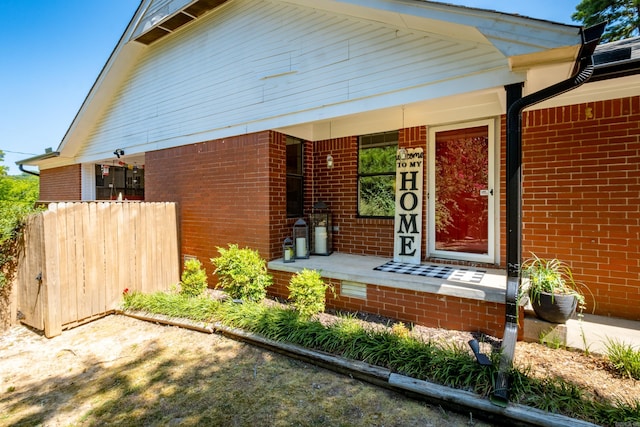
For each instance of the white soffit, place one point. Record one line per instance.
(562, 55)
(512, 35)
(450, 109)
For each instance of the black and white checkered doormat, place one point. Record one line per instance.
(439, 271)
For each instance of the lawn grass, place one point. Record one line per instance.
(123, 372)
(444, 363)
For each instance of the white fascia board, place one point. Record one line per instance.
(114, 72)
(99, 98)
(591, 92)
(51, 163)
(510, 34)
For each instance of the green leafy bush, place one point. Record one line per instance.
(307, 292)
(193, 281)
(12, 220)
(242, 273)
(17, 197)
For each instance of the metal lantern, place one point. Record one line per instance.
(288, 250)
(301, 238)
(321, 229)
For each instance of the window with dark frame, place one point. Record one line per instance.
(377, 174)
(295, 178)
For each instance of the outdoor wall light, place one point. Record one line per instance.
(119, 152)
(329, 161)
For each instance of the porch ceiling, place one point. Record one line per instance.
(360, 269)
(445, 110)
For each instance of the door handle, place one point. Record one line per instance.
(486, 192)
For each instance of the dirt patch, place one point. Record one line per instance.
(593, 373)
(124, 371)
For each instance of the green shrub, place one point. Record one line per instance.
(624, 358)
(193, 281)
(307, 292)
(242, 273)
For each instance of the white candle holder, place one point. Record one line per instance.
(321, 229)
(288, 250)
(301, 239)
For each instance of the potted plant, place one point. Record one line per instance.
(552, 291)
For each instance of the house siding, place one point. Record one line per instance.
(291, 62)
(581, 197)
(61, 184)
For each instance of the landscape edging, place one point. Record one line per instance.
(451, 397)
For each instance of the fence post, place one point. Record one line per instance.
(51, 275)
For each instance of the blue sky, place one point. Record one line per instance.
(51, 52)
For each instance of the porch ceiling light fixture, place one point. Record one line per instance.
(329, 161)
(119, 152)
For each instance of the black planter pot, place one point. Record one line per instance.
(554, 308)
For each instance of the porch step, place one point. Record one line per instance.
(592, 332)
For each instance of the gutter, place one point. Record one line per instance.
(516, 104)
(40, 157)
(22, 169)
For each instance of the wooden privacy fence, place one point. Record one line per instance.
(79, 258)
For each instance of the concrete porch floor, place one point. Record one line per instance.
(596, 330)
(360, 269)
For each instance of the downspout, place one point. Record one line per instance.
(585, 69)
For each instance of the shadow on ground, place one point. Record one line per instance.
(188, 378)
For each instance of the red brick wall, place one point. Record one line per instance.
(61, 184)
(280, 226)
(338, 187)
(222, 189)
(581, 197)
(413, 307)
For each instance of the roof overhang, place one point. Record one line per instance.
(526, 43)
(513, 35)
(172, 15)
(35, 160)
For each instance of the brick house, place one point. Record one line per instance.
(248, 113)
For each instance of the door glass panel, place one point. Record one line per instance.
(462, 193)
